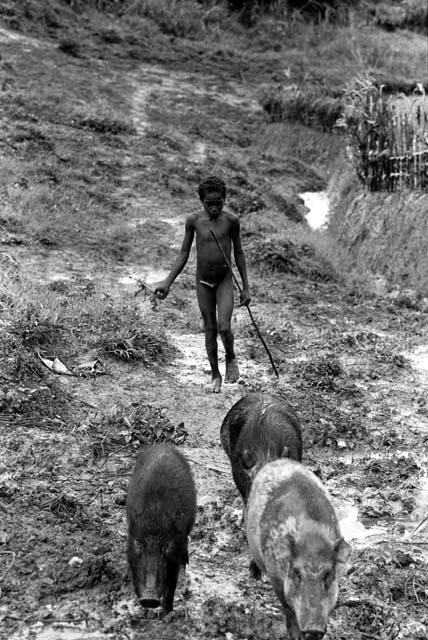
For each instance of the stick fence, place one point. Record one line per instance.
(388, 137)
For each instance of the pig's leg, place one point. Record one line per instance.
(171, 583)
(255, 571)
(292, 626)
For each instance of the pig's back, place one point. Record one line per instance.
(236, 419)
(161, 492)
(289, 498)
(271, 427)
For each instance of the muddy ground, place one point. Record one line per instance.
(101, 159)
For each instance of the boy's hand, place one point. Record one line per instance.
(245, 298)
(162, 290)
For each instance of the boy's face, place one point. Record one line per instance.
(213, 203)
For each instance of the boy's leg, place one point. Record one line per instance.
(207, 306)
(225, 308)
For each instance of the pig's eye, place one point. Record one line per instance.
(328, 579)
(247, 459)
(296, 576)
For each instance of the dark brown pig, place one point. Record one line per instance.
(161, 512)
(294, 537)
(255, 431)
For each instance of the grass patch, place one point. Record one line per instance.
(311, 147)
(68, 324)
(308, 109)
(383, 234)
(136, 344)
(132, 427)
(287, 256)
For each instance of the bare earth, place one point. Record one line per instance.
(353, 366)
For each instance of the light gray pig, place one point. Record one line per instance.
(294, 537)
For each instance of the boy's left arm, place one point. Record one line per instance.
(240, 260)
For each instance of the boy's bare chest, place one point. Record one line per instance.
(205, 228)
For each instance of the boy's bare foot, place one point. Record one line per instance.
(216, 388)
(232, 371)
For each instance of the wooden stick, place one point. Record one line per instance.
(421, 524)
(247, 305)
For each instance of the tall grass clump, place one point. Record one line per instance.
(409, 14)
(311, 109)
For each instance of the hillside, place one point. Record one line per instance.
(109, 120)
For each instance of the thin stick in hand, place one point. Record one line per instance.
(246, 305)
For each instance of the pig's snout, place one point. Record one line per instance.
(312, 635)
(148, 594)
(149, 599)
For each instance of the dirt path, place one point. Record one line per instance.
(352, 366)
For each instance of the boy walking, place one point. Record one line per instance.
(214, 284)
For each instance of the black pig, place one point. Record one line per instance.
(161, 512)
(255, 431)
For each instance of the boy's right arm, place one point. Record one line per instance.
(163, 287)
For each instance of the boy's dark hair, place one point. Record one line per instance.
(211, 183)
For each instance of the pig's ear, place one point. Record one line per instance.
(285, 453)
(248, 460)
(342, 550)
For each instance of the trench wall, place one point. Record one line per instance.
(382, 233)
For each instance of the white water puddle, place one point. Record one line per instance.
(172, 221)
(360, 535)
(353, 530)
(419, 359)
(7, 36)
(198, 152)
(318, 203)
(70, 633)
(149, 276)
(54, 276)
(134, 223)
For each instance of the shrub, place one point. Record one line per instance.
(410, 14)
(311, 109)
